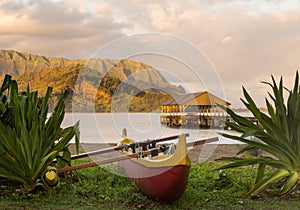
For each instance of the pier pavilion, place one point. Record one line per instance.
(194, 110)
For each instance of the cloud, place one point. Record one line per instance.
(102, 9)
(227, 39)
(56, 28)
(172, 15)
(246, 41)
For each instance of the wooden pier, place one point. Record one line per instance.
(196, 110)
(198, 122)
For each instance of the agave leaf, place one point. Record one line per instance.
(278, 134)
(251, 133)
(234, 126)
(278, 174)
(67, 136)
(9, 166)
(293, 114)
(44, 163)
(272, 138)
(44, 105)
(235, 162)
(245, 148)
(11, 176)
(27, 138)
(251, 104)
(260, 172)
(290, 183)
(77, 137)
(276, 151)
(259, 133)
(239, 119)
(6, 83)
(278, 101)
(272, 113)
(242, 161)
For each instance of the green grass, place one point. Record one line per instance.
(96, 188)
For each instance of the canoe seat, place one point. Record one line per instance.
(159, 157)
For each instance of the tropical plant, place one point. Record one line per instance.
(277, 133)
(30, 138)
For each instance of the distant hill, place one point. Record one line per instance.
(17, 63)
(101, 84)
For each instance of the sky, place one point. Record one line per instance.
(217, 45)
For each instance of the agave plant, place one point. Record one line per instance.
(30, 137)
(277, 133)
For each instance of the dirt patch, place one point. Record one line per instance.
(211, 152)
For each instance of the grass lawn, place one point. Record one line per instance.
(96, 188)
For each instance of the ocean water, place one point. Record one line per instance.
(107, 128)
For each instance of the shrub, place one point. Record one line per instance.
(29, 140)
(277, 133)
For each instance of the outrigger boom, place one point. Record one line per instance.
(121, 147)
(129, 156)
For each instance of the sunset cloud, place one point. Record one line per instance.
(227, 39)
(246, 41)
(56, 28)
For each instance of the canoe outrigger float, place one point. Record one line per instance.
(159, 171)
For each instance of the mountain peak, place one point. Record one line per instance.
(16, 63)
(132, 72)
(97, 83)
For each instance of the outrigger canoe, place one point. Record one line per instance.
(159, 173)
(161, 176)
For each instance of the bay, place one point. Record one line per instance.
(107, 128)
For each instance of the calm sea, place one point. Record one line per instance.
(107, 128)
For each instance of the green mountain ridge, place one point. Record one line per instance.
(96, 84)
(17, 63)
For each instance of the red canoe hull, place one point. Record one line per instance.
(165, 184)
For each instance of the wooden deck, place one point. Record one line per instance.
(197, 121)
